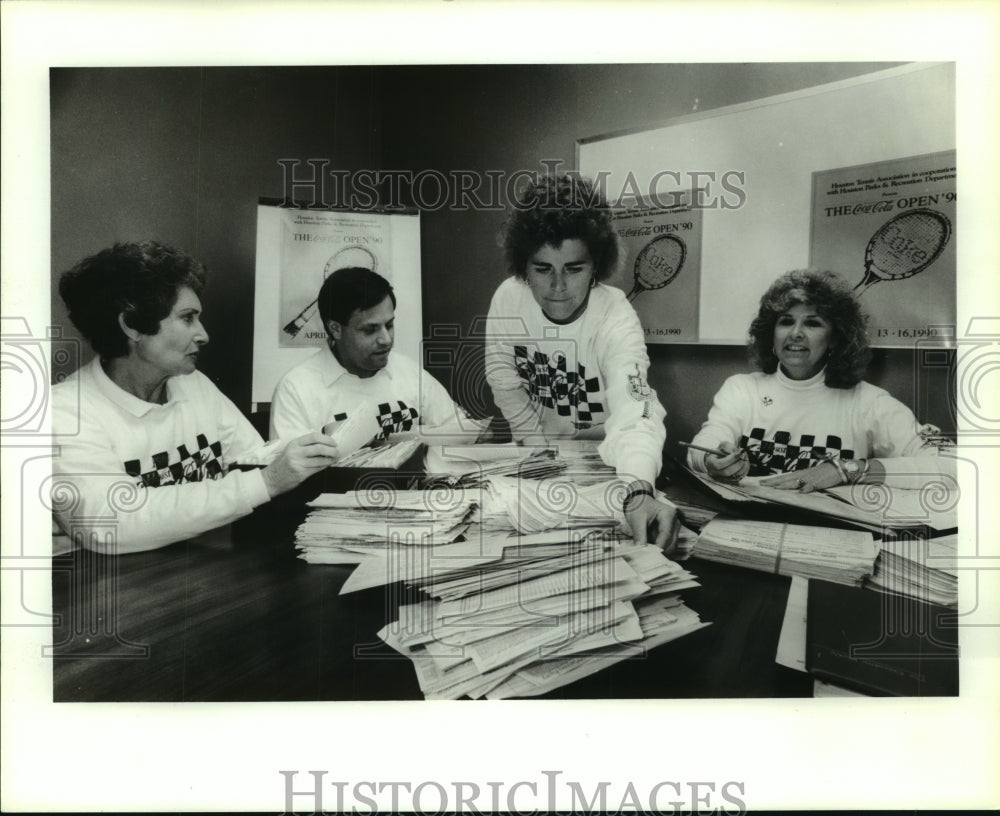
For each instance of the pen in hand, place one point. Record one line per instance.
(713, 451)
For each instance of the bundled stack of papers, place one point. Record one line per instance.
(344, 528)
(839, 556)
(552, 609)
(923, 568)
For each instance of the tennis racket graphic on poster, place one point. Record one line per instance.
(314, 244)
(661, 264)
(345, 258)
(657, 264)
(893, 223)
(903, 246)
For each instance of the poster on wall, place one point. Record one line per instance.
(888, 228)
(296, 250)
(661, 252)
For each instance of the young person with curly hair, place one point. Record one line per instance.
(565, 353)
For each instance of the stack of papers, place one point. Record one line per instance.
(875, 507)
(922, 568)
(389, 455)
(552, 609)
(694, 515)
(899, 507)
(530, 584)
(575, 460)
(839, 556)
(473, 464)
(542, 504)
(584, 465)
(344, 528)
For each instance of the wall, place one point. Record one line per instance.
(183, 155)
(509, 118)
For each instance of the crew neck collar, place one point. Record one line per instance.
(817, 379)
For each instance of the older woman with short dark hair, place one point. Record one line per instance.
(565, 353)
(138, 426)
(808, 416)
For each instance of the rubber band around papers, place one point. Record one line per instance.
(781, 545)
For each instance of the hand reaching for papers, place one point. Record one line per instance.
(298, 460)
(806, 481)
(656, 522)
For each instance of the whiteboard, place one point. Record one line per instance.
(756, 225)
(271, 358)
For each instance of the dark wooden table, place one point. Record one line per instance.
(235, 616)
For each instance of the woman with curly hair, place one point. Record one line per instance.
(140, 425)
(808, 415)
(565, 354)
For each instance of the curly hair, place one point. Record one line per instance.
(848, 353)
(554, 208)
(139, 281)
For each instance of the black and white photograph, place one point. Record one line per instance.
(460, 424)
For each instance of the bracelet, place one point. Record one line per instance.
(863, 472)
(835, 461)
(642, 491)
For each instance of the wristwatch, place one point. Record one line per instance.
(632, 494)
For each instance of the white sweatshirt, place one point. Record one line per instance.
(130, 475)
(320, 391)
(585, 379)
(787, 425)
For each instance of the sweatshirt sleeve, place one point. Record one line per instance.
(104, 509)
(437, 407)
(634, 432)
(237, 433)
(726, 420)
(504, 326)
(290, 418)
(902, 445)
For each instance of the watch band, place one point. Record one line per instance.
(641, 491)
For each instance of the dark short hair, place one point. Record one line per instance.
(137, 280)
(351, 289)
(553, 209)
(848, 353)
